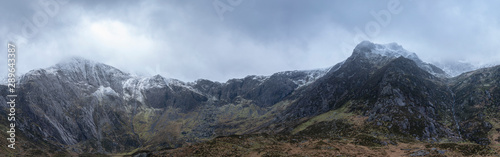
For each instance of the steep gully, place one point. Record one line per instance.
(453, 112)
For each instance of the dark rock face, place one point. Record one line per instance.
(94, 107)
(397, 95)
(477, 102)
(106, 110)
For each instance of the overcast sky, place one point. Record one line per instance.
(223, 39)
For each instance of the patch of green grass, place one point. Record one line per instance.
(340, 113)
(466, 149)
(126, 153)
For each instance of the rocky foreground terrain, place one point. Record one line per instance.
(381, 101)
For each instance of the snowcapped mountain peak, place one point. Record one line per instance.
(88, 68)
(83, 71)
(81, 64)
(392, 50)
(74, 62)
(380, 52)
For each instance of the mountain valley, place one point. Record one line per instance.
(381, 101)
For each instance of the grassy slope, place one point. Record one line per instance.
(280, 145)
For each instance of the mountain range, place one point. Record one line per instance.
(380, 96)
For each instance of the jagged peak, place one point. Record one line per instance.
(83, 71)
(393, 50)
(76, 62)
(380, 52)
(83, 65)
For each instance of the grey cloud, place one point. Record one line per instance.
(188, 40)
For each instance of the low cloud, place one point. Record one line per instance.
(188, 40)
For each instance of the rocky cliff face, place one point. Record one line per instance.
(382, 90)
(92, 107)
(477, 105)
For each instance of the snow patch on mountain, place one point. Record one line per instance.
(261, 79)
(132, 90)
(104, 91)
(188, 86)
(134, 87)
(75, 64)
(394, 50)
(336, 67)
(76, 67)
(455, 68)
(312, 76)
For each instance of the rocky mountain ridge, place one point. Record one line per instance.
(381, 90)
